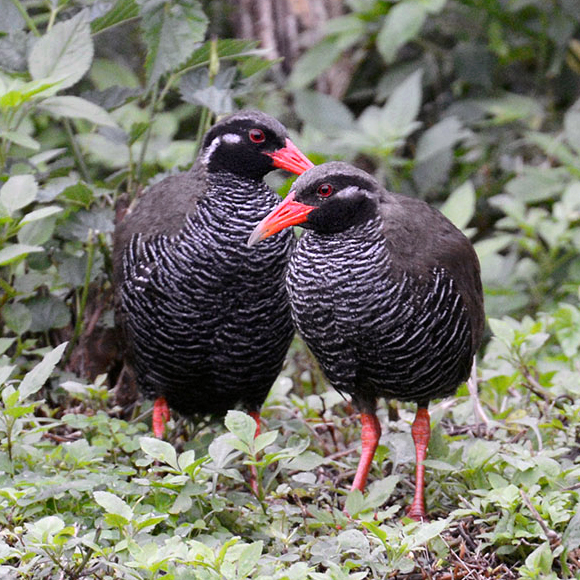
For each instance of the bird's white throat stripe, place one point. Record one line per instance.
(230, 138)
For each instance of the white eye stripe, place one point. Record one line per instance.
(230, 138)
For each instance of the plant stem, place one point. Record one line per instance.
(77, 154)
(83, 300)
(27, 19)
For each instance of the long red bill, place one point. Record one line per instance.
(291, 159)
(288, 213)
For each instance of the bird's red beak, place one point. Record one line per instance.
(288, 213)
(291, 159)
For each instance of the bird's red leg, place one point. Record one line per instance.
(370, 435)
(253, 471)
(421, 431)
(161, 415)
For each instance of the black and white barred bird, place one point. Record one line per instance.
(387, 294)
(206, 320)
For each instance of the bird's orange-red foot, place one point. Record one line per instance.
(161, 416)
(370, 435)
(421, 432)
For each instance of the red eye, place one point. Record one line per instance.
(325, 190)
(257, 136)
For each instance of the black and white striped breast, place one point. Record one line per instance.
(378, 329)
(208, 318)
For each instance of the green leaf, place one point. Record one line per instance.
(77, 108)
(18, 192)
(21, 139)
(323, 112)
(65, 52)
(48, 312)
(403, 23)
(13, 252)
(572, 128)
(172, 33)
(35, 379)
(264, 439)
(121, 11)
(40, 214)
(249, 558)
(355, 502)
(322, 56)
(17, 317)
(460, 205)
(241, 425)
(160, 450)
(114, 505)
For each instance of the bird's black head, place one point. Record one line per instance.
(251, 144)
(328, 198)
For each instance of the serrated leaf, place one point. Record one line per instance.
(18, 192)
(35, 379)
(65, 52)
(113, 504)
(172, 33)
(241, 425)
(13, 252)
(160, 450)
(121, 11)
(403, 23)
(77, 108)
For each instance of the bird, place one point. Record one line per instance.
(386, 292)
(205, 320)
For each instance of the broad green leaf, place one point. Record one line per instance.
(18, 192)
(17, 317)
(35, 379)
(173, 31)
(502, 330)
(113, 504)
(460, 205)
(120, 12)
(442, 136)
(44, 529)
(77, 108)
(48, 312)
(322, 56)
(21, 139)
(572, 128)
(65, 52)
(355, 502)
(263, 440)
(403, 23)
(160, 450)
(323, 112)
(13, 252)
(404, 104)
(5, 373)
(241, 425)
(38, 231)
(11, 19)
(40, 214)
(249, 558)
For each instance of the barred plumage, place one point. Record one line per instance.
(206, 319)
(387, 294)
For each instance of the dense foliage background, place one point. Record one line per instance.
(473, 105)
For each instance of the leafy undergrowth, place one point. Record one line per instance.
(84, 493)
